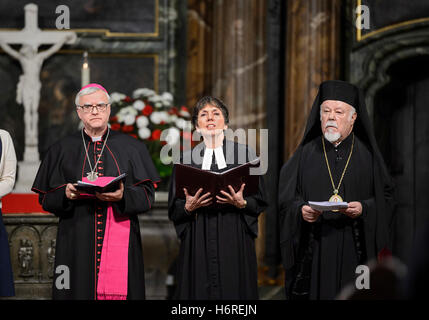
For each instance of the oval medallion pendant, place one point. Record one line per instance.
(335, 198)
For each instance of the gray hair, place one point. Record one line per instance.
(87, 91)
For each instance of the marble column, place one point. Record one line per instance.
(227, 59)
(199, 53)
(312, 56)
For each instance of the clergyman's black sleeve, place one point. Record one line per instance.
(138, 198)
(56, 202)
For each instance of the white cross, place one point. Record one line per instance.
(29, 85)
(31, 34)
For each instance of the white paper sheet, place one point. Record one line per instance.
(327, 206)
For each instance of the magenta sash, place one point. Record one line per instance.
(113, 275)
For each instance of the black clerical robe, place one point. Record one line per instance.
(319, 258)
(329, 250)
(217, 258)
(82, 222)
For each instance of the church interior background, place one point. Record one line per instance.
(265, 59)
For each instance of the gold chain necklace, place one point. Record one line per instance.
(336, 197)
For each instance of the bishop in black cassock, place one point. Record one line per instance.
(83, 238)
(321, 250)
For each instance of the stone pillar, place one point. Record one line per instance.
(227, 59)
(199, 39)
(240, 60)
(312, 56)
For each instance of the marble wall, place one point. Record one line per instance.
(312, 56)
(227, 57)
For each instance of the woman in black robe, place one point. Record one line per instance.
(82, 231)
(217, 258)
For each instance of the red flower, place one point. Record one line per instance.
(128, 99)
(156, 134)
(133, 135)
(147, 110)
(114, 119)
(173, 110)
(115, 126)
(127, 128)
(183, 108)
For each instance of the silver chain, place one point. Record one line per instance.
(102, 149)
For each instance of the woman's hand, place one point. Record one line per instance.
(112, 196)
(196, 201)
(234, 198)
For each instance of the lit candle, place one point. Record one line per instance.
(85, 70)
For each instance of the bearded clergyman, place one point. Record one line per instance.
(337, 161)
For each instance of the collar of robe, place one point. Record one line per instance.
(208, 158)
(95, 139)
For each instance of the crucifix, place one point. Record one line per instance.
(29, 85)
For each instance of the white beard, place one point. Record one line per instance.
(332, 136)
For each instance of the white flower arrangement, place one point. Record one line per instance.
(160, 116)
(139, 105)
(148, 116)
(142, 121)
(116, 97)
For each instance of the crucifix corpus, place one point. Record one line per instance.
(28, 88)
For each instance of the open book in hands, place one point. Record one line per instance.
(327, 206)
(101, 185)
(193, 179)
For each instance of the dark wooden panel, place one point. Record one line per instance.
(384, 13)
(131, 16)
(61, 79)
(401, 118)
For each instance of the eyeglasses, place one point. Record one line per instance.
(101, 107)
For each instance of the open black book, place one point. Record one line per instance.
(101, 185)
(193, 179)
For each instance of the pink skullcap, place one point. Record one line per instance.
(94, 85)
